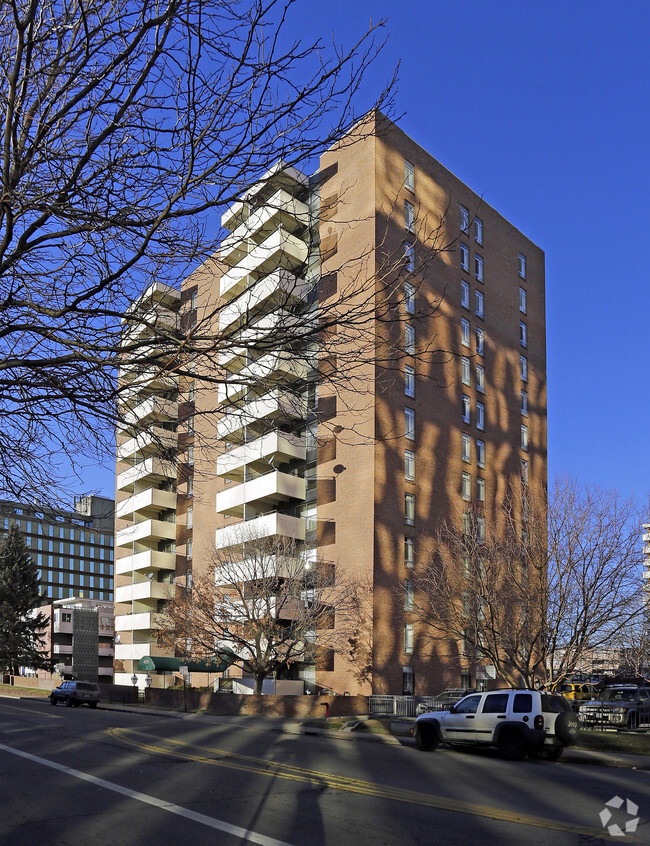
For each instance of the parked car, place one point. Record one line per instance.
(575, 691)
(516, 721)
(621, 706)
(76, 693)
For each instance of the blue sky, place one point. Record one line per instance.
(544, 110)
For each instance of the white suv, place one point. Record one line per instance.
(515, 721)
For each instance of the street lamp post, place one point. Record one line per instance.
(134, 682)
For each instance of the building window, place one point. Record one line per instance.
(523, 334)
(190, 455)
(522, 265)
(522, 300)
(190, 425)
(524, 403)
(466, 486)
(191, 392)
(478, 230)
(189, 517)
(480, 453)
(523, 363)
(409, 337)
(478, 267)
(479, 304)
(408, 638)
(409, 552)
(409, 424)
(409, 465)
(409, 255)
(480, 529)
(464, 219)
(467, 448)
(188, 549)
(524, 437)
(524, 471)
(409, 216)
(464, 294)
(480, 341)
(480, 490)
(190, 486)
(409, 380)
(480, 416)
(464, 256)
(409, 175)
(467, 523)
(480, 378)
(465, 407)
(464, 332)
(464, 370)
(409, 595)
(409, 509)
(409, 297)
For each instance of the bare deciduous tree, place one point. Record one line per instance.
(126, 126)
(535, 594)
(269, 603)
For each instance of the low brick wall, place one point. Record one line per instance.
(271, 706)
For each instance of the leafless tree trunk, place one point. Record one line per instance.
(270, 602)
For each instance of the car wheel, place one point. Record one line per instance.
(512, 746)
(426, 737)
(567, 727)
(93, 704)
(68, 702)
(52, 700)
(553, 754)
(633, 720)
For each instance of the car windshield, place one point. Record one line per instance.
(619, 696)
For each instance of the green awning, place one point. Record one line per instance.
(155, 664)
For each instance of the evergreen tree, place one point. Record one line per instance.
(21, 629)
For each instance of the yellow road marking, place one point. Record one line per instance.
(259, 766)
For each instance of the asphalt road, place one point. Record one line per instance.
(77, 776)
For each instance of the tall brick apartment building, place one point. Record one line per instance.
(444, 408)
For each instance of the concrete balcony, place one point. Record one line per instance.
(279, 289)
(148, 532)
(153, 409)
(280, 250)
(157, 293)
(151, 470)
(59, 627)
(276, 405)
(62, 648)
(142, 562)
(281, 209)
(275, 367)
(152, 321)
(144, 621)
(275, 448)
(280, 175)
(152, 442)
(146, 503)
(145, 383)
(264, 491)
(136, 651)
(264, 526)
(104, 650)
(142, 591)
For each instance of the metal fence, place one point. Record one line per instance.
(404, 706)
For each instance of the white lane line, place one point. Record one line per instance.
(210, 822)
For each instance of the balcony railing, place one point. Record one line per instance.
(274, 447)
(261, 526)
(269, 489)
